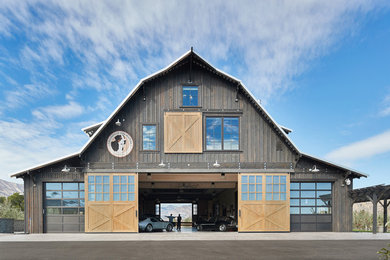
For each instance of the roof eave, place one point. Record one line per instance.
(354, 172)
(37, 167)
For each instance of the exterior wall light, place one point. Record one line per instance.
(162, 164)
(216, 164)
(66, 169)
(348, 181)
(118, 123)
(314, 169)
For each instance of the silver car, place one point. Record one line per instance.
(154, 223)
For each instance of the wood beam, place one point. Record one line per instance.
(184, 186)
(161, 177)
(176, 170)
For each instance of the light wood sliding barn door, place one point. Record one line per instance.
(263, 202)
(183, 132)
(111, 202)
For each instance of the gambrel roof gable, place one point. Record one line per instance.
(203, 63)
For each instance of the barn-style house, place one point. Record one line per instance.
(188, 133)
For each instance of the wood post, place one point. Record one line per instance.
(374, 213)
(385, 204)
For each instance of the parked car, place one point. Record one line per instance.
(217, 223)
(150, 224)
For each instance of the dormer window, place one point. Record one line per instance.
(190, 96)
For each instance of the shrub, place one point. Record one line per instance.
(9, 211)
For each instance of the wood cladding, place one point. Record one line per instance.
(183, 132)
(258, 138)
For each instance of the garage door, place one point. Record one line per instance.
(263, 202)
(311, 206)
(63, 207)
(112, 203)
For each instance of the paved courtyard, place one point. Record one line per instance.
(222, 249)
(193, 245)
(186, 234)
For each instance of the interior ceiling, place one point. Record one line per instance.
(179, 194)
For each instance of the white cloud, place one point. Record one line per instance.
(24, 145)
(24, 94)
(366, 148)
(73, 109)
(385, 106)
(272, 41)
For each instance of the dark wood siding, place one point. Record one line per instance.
(258, 140)
(341, 201)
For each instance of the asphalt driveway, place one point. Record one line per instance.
(259, 249)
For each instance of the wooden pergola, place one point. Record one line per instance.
(374, 194)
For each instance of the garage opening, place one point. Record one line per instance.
(199, 203)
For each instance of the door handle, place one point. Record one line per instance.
(239, 213)
(136, 213)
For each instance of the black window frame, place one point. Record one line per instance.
(199, 95)
(157, 137)
(222, 133)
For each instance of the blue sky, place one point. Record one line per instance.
(319, 67)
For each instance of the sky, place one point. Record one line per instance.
(320, 68)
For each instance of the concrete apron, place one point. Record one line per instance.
(177, 236)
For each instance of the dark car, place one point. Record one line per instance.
(217, 224)
(150, 224)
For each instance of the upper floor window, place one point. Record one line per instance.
(190, 96)
(222, 133)
(149, 136)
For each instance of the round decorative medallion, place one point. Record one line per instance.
(120, 144)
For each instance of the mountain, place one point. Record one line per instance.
(8, 188)
(184, 209)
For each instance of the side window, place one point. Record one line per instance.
(149, 137)
(222, 133)
(190, 96)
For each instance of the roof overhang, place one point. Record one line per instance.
(64, 158)
(90, 130)
(354, 173)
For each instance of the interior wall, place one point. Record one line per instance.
(226, 202)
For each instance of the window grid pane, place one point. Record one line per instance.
(276, 187)
(123, 188)
(64, 198)
(251, 187)
(190, 96)
(311, 198)
(99, 188)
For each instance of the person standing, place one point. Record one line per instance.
(171, 218)
(178, 223)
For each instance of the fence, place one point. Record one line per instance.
(9, 225)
